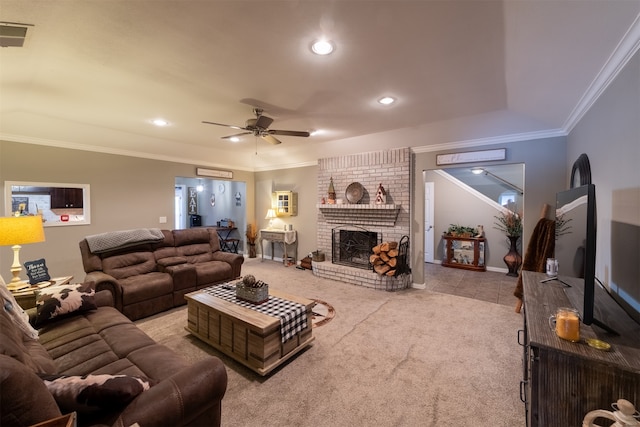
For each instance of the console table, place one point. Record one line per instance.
(563, 381)
(464, 252)
(286, 238)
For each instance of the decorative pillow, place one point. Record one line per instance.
(55, 301)
(93, 392)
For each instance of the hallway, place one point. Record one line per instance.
(485, 286)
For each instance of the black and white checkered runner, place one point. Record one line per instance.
(293, 316)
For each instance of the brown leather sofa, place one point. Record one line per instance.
(149, 278)
(104, 341)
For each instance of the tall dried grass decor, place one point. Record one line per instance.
(251, 234)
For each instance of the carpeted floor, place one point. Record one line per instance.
(406, 358)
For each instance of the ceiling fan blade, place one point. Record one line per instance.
(236, 135)
(222, 124)
(263, 122)
(289, 132)
(271, 139)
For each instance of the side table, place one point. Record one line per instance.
(26, 298)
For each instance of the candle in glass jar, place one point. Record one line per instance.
(568, 325)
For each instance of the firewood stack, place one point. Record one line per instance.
(385, 258)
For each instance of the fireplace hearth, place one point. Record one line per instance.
(352, 246)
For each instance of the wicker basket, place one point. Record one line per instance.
(317, 256)
(253, 295)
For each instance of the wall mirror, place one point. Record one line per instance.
(58, 203)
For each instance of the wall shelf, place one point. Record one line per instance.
(370, 214)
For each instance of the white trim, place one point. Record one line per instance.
(624, 51)
(503, 139)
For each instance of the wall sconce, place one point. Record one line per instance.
(271, 214)
(16, 231)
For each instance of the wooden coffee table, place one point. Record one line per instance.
(247, 336)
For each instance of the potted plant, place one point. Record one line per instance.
(251, 234)
(510, 222)
(456, 230)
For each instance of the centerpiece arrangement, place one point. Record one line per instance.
(252, 290)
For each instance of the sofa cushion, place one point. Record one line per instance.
(195, 253)
(55, 301)
(145, 287)
(212, 272)
(129, 264)
(92, 392)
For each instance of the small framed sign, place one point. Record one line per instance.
(37, 271)
(471, 156)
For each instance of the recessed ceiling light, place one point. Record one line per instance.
(160, 122)
(322, 47)
(234, 139)
(386, 100)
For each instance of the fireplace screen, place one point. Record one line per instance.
(353, 247)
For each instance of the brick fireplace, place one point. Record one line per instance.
(389, 221)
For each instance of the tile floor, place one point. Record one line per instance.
(482, 285)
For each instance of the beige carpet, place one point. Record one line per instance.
(406, 358)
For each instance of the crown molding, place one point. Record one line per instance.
(622, 54)
(117, 152)
(494, 140)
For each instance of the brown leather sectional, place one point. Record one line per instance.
(104, 341)
(149, 278)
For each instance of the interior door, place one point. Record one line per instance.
(428, 222)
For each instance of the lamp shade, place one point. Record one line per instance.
(271, 213)
(18, 230)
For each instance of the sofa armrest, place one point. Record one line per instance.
(192, 395)
(106, 282)
(235, 260)
(25, 399)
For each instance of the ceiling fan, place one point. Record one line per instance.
(260, 127)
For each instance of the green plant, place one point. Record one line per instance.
(509, 222)
(460, 230)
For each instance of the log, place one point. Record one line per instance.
(393, 253)
(381, 269)
(384, 247)
(376, 249)
(390, 273)
(392, 262)
(384, 256)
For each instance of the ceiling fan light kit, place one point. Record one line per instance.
(260, 127)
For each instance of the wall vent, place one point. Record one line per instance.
(12, 35)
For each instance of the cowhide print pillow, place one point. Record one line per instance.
(93, 392)
(56, 301)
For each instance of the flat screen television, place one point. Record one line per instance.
(575, 245)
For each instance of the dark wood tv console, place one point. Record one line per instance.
(563, 381)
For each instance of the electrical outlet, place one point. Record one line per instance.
(163, 220)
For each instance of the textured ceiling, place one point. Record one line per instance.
(93, 74)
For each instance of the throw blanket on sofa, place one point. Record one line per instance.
(123, 239)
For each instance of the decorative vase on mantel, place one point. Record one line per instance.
(513, 259)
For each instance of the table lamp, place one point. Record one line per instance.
(271, 213)
(16, 231)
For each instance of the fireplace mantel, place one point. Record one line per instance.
(371, 214)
